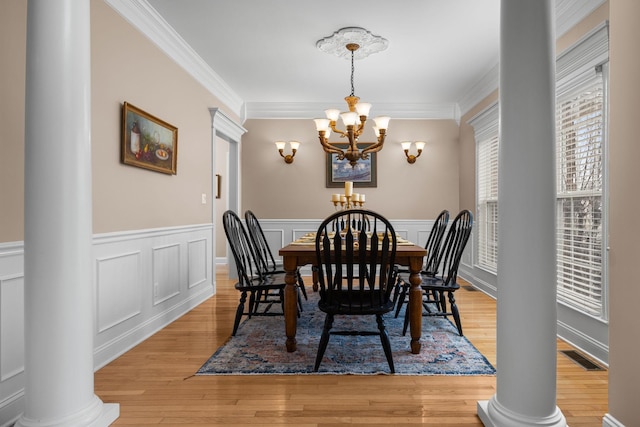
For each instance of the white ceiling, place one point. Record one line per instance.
(265, 52)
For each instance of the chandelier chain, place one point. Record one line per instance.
(352, 71)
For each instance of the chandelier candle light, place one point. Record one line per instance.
(349, 199)
(358, 111)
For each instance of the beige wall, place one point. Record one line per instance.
(273, 189)
(125, 67)
(13, 40)
(624, 292)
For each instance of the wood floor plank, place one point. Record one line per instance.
(154, 382)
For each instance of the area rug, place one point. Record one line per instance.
(259, 348)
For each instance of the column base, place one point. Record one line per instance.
(98, 414)
(492, 414)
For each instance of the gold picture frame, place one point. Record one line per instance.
(147, 141)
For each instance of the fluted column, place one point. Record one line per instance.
(59, 303)
(526, 300)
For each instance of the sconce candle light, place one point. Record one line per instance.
(406, 146)
(288, 158)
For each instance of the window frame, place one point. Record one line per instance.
(486, 127)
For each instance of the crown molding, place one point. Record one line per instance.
(146, 19)
(310, 110)
(568, 14)
(143, 16)
(481, 89)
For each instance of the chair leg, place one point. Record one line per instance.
(253, 308)
(301, 284)
(454, 311)
(442, 306)
(407, 316)
(386, 343)
(324, 340)
(239, 310)
(401, 298)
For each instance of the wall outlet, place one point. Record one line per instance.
(204, 198)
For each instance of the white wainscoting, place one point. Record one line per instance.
(143, 280)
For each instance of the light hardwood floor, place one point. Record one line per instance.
(154, 382)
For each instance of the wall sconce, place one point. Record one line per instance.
(294, 147)
(406, 146)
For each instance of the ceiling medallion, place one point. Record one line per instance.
(368, 43)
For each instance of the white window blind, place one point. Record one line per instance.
(488, 203)
(486, 132)
(580, 183)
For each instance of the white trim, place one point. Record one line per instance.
(141, 15)
(120, 236)
(225, 127)
(582, 57)
(485, 123)
(571, 12)
(310, 110)
(584, 343)
(610, 421)
(482, 88)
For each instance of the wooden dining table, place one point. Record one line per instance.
(298, 254)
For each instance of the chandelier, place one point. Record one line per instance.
(354, 120)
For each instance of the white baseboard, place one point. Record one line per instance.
(610, 421)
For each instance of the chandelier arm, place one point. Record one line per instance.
(375, 147)
(328, 148)
(338, 131)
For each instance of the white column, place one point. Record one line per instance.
(59, 303)
(526, 301)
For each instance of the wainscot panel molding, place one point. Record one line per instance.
(143, 281)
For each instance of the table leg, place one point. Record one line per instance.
(415, 302)
(290, 302)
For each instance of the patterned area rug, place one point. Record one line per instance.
(259, 348)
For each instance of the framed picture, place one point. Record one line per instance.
(363, 174)
(147, 141)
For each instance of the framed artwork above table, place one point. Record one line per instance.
(363, 174)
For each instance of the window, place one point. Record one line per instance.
(579, 199)
(486, 131)
(581, 174)
(488, 203)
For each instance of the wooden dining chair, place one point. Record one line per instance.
(355, 273)
(430, 268)
(266, 260)
(444, 284)
(264, 291)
